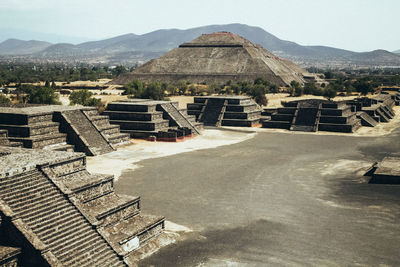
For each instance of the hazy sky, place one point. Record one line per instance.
(359, 25)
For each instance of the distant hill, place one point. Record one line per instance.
(18, 47)
(396, 52)
(131, 48)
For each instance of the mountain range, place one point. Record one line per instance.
(130, 48)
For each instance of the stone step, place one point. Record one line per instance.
(33, 194)
(81, 248)
(140, 228)
(276, 124)
(100, 120)
(55, 221)
(142, 125)
(31, 187)
(28, 130)
(43, 211)
(118, 138)
(73, 241)
(65, 235)
(63, 147)
(240, 123)
(109, 129)
(133, 116)
(17, 180)
(15, 144)
(111, 208)
(53, 231)
(40, 141)
(87, 186)
(51, 219)
(33, 203)
(91, 112)
(104, 257)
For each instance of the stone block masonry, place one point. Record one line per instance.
(70, 216)
(385, 172)
(240, 111)
(314, 115)
(61, 128)
(144, 118)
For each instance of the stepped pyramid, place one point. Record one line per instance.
(62, 128)
(141, 118)
(313, 115)
(58, 214)
(217, 57)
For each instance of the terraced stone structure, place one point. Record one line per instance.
(385, 172)
(58, 214)
(61, 128)
(379, 108)
(240, 111)
(314, 115)
(142, 118)
(217, 57)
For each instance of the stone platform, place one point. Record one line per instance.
(61, 215)
(385, 172)
(61, 128)
(313, 115)
(240, 111)
(142, 118)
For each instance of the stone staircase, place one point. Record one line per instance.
(110, 132)
(116, 217)
(314, 115)
(5, 142)
(306, 119)
(366, 120)
(180, 119)
(239, 111)
(84, 133)
(138, 117)
(213, 112)
(52, 224)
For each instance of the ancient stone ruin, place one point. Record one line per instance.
(217, 57)
(55, 213)
(225, 111)
(385, 172)
(143, 118)
(61, 128)
(322, 115)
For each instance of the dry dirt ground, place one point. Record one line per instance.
(274, 199)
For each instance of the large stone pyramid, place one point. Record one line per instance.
(217, 57)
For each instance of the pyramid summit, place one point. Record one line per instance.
(217, 57)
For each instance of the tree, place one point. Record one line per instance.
(330, 93)
(153, 91)
(296, 89)
(258, 92)
(47, 84)
(274, 89)
(134, 88)
(84, 97)
(364, 87)
(328, 75)
(43, 95)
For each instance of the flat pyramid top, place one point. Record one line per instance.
(219, 38)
